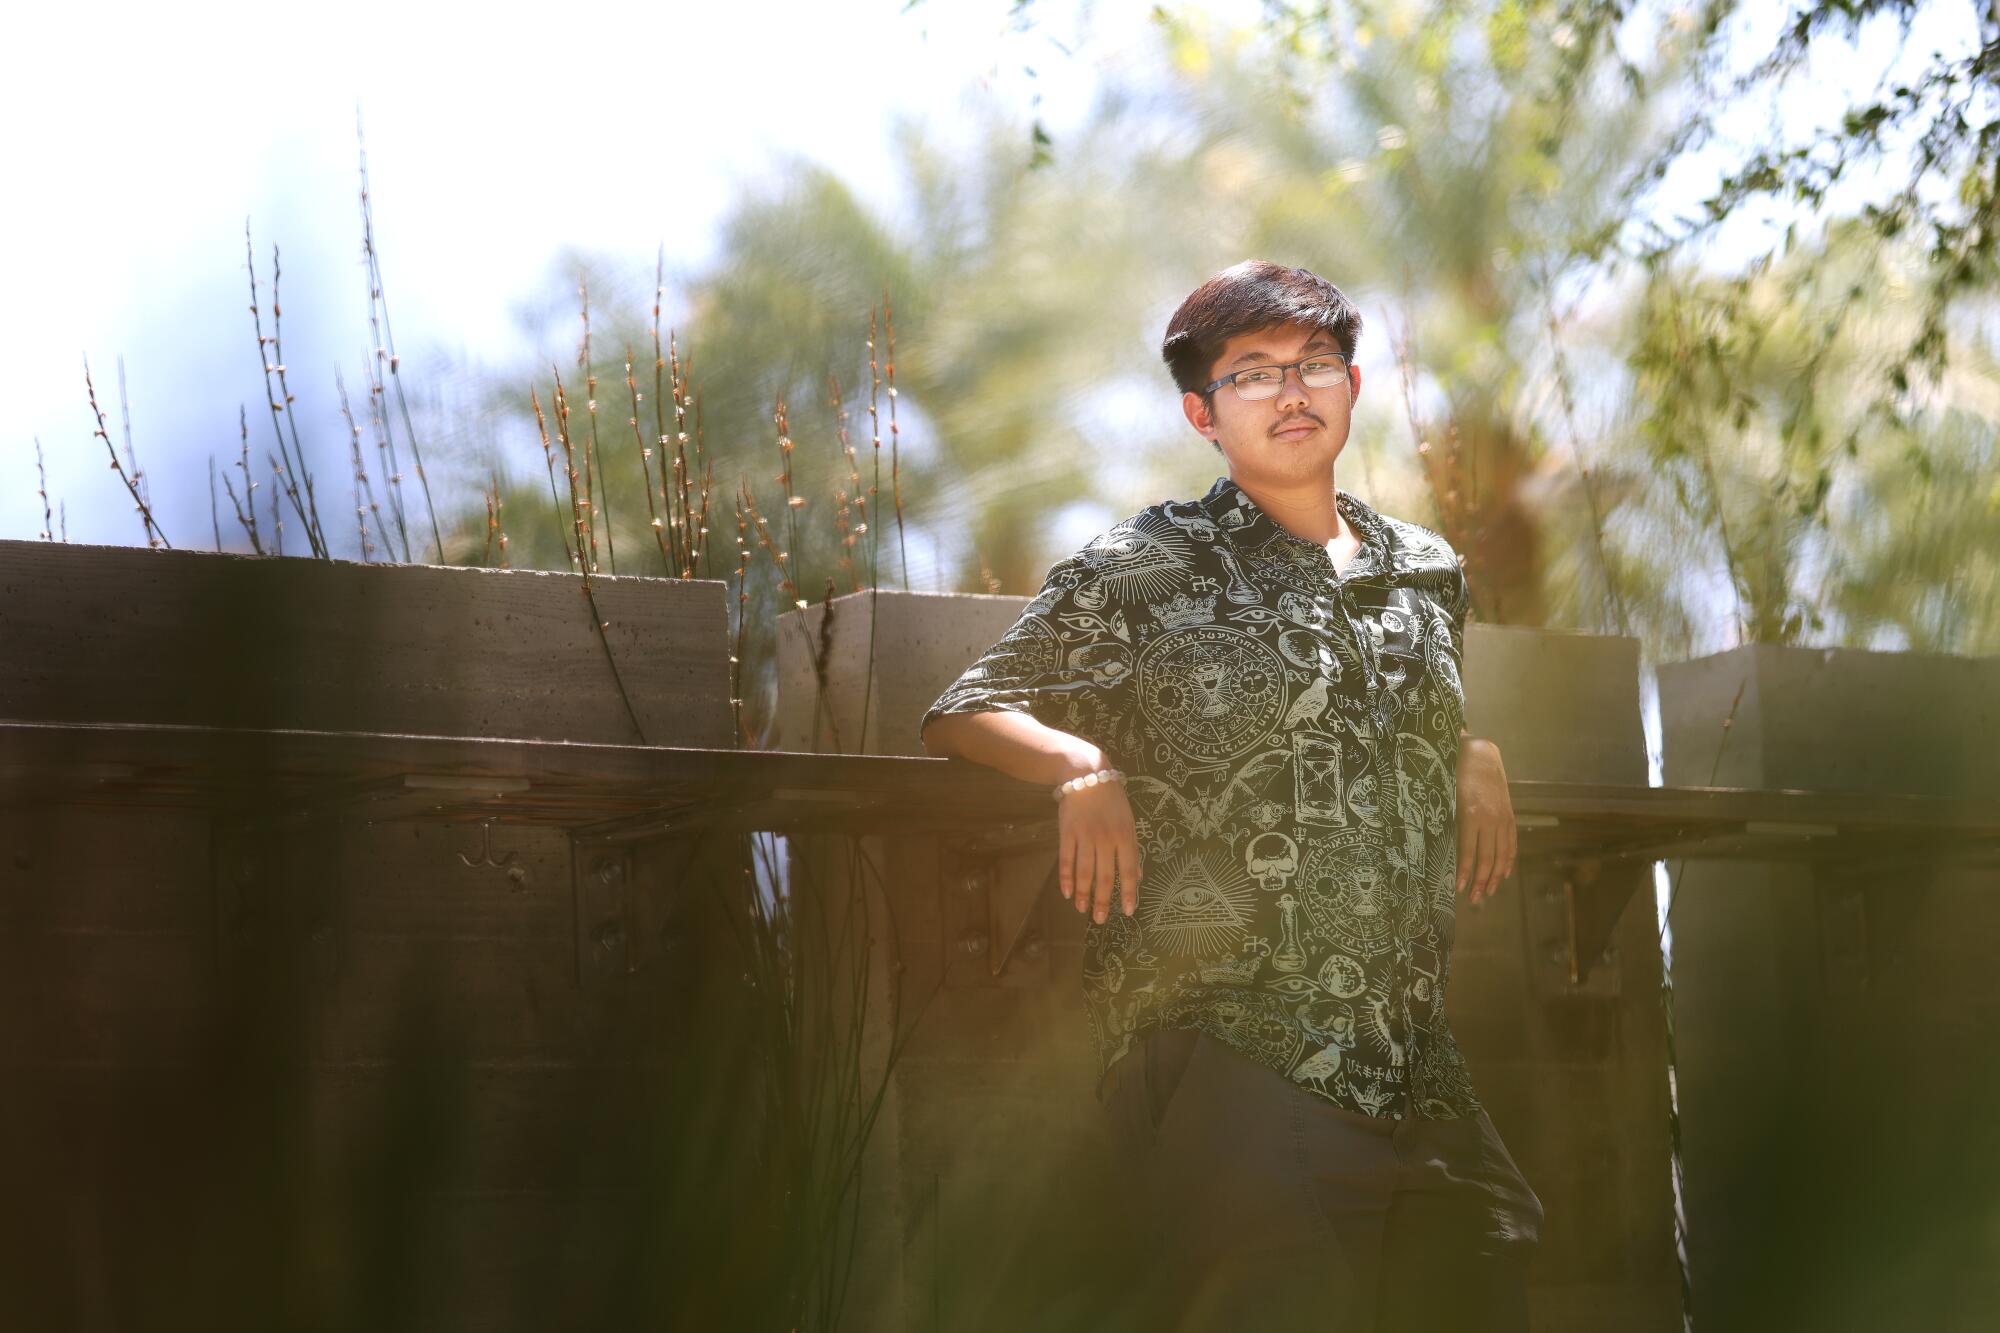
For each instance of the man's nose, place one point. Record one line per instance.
(1292, 386)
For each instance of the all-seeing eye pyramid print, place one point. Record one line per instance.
(1145, 556)
(1203, 904)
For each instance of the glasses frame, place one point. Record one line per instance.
(1230, 378)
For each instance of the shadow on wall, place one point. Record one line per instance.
(430, 1136)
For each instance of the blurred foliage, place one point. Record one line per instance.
(1617, 434)
(1580, 394)
(1835, 520)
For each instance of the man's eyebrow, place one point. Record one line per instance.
(1314, 345)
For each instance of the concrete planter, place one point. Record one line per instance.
(1834, 1027)
(242, 1046)
(123, 634)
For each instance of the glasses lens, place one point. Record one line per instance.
(1262, 382)
(1324, 372)
(1321, 372)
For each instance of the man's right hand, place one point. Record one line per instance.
(1099, 840)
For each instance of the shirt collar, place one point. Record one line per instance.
(1232, 509)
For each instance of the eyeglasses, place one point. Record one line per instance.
(1321, 370)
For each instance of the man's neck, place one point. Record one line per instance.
(1307, 512)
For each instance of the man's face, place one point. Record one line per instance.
(1291, 437)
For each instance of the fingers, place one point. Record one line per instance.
(1107, 880)
(1098, 867)
(1489, 861)
(1107, 867)
(1066, 861)
(1128, 874)
(1475, 852)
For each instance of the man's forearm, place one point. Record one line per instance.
(1014, 743)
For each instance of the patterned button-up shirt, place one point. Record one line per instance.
(1289, 735)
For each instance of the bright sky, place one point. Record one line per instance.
(140, 137)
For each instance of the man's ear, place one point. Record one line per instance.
(1353, 384)
(1197, 414)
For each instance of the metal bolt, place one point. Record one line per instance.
(973, 941)
(974, 882)
(1033, 945)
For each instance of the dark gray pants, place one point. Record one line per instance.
(1266, 1207)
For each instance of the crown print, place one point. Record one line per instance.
(1181, 609)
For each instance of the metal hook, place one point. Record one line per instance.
(486, 850)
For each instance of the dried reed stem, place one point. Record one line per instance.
(646, 461)
(865, 502)
(385, 344)
(590, 468)
(361, 511)
(692, 525)
(280, 474)
(843, 497)
(669, 540)
(125, 425)
(686, 532)
(291, 419)
(385, 452)
(780, 561)
(155, 538)
(597, 620)
(555, 498)
(816, 654)
(742, 619)
(214, 506)
(48, 532)
(895, 474)
(277, 517)
(875, 433)
(385, 437)
(577, 506)
(494, 526)
(246, 508)
(707, 466)
(793, 501)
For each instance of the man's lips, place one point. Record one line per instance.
(1298, 430)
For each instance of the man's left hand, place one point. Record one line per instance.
(1486, 836)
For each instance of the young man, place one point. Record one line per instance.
(1265, 681)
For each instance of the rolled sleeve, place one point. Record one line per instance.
(1067, 662)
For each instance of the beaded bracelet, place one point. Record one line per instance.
(1088, 780)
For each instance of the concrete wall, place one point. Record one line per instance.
(322, 1072)
(123, 634)
(999, 1148)
(1574, 1077)
(1834, 1028)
